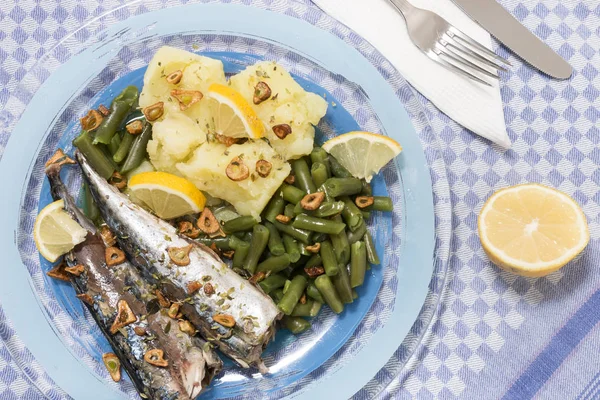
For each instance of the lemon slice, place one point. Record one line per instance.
(532, 230)
(55, 233)
(168, 195)
(363, 154)
(233, 115)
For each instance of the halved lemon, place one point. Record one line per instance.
(233, 115)
(55, 233)
(532, 230)
(363, 154)
(168, 195)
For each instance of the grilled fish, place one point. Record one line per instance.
(113, 294)
(227, 310)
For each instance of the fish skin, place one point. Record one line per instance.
(192, 364)
(145, 239)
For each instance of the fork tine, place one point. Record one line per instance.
(463, 61)
(454, 68)
(453, 32)
(448, 41)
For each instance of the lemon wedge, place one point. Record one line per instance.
(532, 230)
(168, 196)
(55, 233)
(363, 154)
(233, 115)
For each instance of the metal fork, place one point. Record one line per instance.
(447, 45)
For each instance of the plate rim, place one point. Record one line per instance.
(377, 89)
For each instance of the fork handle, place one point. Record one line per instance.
(403, 6)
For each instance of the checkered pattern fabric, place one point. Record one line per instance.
(487, 327)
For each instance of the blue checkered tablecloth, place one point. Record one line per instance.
(494, 335)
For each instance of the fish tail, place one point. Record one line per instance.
(59, 191)
(55, 163)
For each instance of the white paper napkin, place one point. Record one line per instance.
(473, 105)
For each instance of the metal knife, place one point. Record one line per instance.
(503, 26)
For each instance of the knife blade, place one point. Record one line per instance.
(503, 26)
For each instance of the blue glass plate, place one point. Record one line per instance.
(345, 350)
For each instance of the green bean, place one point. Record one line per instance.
(291, 248)
(341, 247)
(337, 187)
(298, 209)
(314, 261)
(286, 286)
(99, 161)
(277, 295)
(303, 250)
(326, 209)
(381, 203)
(274, 208)
(296, 325)
(272, 282)
(367, 190)
(358, 234)
(299, 234)
(114, 144)
(244, 223)
(289, 210)
(309, 309)
(220, 243)
(328, 198)
(302, 174)
(313, 292)
(354, 294)
(318, 155)
(337, 170)
(275, 244)
(325, 287)
(90, 208)
(366, 214)
(315, 224)
(371, 250)
(137, 153)
(260, 238)
(330, 263)
(119, 108)
(342, 285)
(292, 194)
(358, 264)
(129, 94)
(274, 264)
(239, 256)
(241, 248)
(292, 294)
(319, 174)
(351, 214)
(329, 209)
(124, 147)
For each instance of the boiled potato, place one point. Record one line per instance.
(198, 73)
(207, 170)
(174, 139)
(289, 104)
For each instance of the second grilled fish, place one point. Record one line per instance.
(227, 310)
(113, 294)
